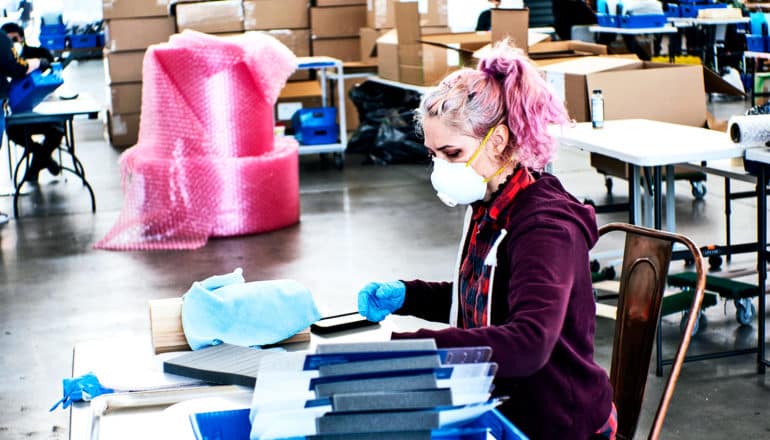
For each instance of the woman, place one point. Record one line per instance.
(523, 283)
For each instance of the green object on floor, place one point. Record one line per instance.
(681, 301)
(725, 287)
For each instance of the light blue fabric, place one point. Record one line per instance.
(378, 300)
(225, 308)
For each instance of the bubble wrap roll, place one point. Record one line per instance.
(749, 131)
(178, 203)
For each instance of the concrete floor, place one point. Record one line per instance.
(360, 224)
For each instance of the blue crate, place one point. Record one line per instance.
(53, 41)
(672, 10)
(756, 43)
(691, 11)
(642, 21)
(27, 92)
(84, 41)
(53, 28)
(315, 126)
(606, 20)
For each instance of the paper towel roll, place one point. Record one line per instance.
(749, 131)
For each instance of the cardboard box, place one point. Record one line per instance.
(210, 17)
(351, 112)
(123, 129)
(368, 40)
(134, 8)
(275, 14)
(381, 14)
(345, 49)
(137, 33)
(123, 67)
(125, 98)
(552, 52)
(512, 24)
(409, 56)
(339, 2)
(637, 89)
(295, 96)
(337, 21)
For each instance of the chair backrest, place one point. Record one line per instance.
(646, 259)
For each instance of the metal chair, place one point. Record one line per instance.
(642, 281)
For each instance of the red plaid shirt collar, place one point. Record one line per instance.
(520, 179)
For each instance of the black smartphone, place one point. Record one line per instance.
(338, 323)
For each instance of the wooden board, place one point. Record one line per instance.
(166, 327)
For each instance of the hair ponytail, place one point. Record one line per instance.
(530, 104)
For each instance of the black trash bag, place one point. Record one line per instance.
(386, 132)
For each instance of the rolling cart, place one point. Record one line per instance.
(324, 66)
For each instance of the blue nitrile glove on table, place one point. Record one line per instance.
(225, 308)
(378, 300)
(85, 387)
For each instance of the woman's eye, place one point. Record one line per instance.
(452, 154)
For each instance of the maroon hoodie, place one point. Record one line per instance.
(543, 316)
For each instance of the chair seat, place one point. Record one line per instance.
(725, 287)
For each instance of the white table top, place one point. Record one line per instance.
(679, 21)
(53, 106)
(634, 31)
(130, 363)
(749, 54)
(761, 154)
(644, 142)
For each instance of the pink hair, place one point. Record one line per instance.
(505, 88)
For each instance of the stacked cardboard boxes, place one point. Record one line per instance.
(211, 17)
(335, 26)
(131, 26)
(381, 17)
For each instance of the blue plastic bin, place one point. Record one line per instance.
(53, 41)
(315, 126)
(691, 11)
(606, 20)
(642, 21)
(672, 10)
(27, 92)
(84, 41)
(756, 43)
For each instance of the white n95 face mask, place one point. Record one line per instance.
(457, 183)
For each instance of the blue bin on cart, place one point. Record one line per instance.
(756, 43)
(27, 92)
(53, 41)
(84, 41)
(316, 126)
(642, 21)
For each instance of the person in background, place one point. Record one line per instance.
(484, 22)
(522, 283)
(25, 13)
(22, 134)
(11, 66)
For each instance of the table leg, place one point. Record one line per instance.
(657, 188)
(761, 265)
(647, 200)
(670, 199)
(634, 208)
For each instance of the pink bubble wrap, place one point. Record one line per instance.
(207, 163)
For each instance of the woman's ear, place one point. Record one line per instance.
(499, 139)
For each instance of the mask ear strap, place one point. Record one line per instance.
(478, 150)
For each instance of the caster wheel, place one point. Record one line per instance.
(700, 322)
(699, 190)
(595, 266)
(715, 262)
(608, 184)
(745, 311)
(589, 202)
(609, 273)
(339, 161)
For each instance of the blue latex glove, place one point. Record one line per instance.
(378, 300)
(85, 387)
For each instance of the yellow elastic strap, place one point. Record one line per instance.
(478, 150)
(498, 172)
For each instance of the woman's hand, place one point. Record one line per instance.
(378, 300)
(32, 65)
